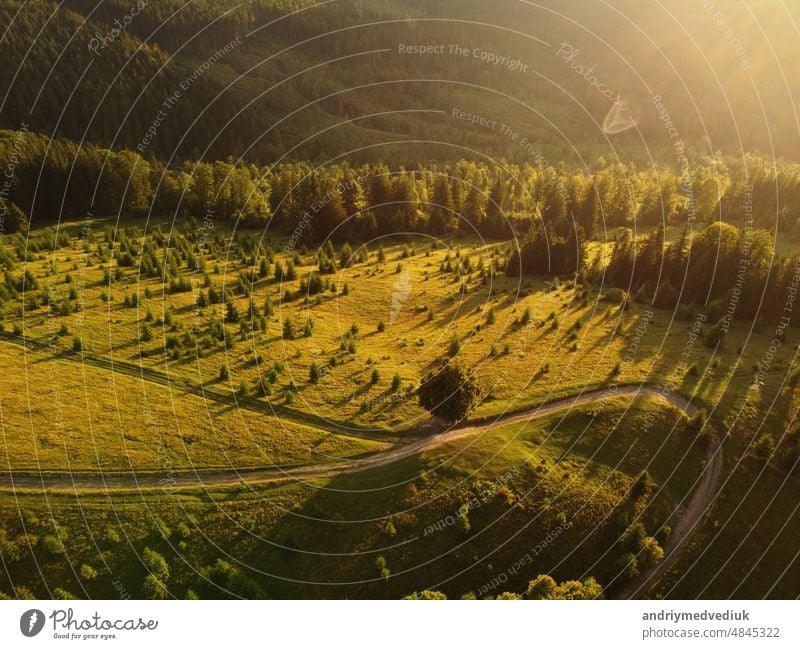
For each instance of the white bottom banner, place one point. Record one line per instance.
(389, 624)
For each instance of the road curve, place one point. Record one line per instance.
(684, 523)
(172, 481)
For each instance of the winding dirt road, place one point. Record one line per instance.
(129, 481)
(684, 523)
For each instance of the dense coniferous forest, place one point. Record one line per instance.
(293, 69)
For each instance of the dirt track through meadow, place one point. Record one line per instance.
(684, 523)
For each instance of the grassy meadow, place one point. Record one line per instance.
(61, 415)
(391, 310)
(170, 380)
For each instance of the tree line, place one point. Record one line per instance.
(59, 179)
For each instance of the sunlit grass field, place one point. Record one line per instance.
(61, 415)
(396, 318)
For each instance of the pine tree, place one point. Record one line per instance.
(475, 208)
(267, 308)
(443, 219)
(495, 220)
(288, 330)
(345, 255)
(231, 313)
(454, 346)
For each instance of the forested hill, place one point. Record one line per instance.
(269, 78)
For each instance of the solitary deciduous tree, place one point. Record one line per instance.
(449, 392)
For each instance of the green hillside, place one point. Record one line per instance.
(313, 82)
